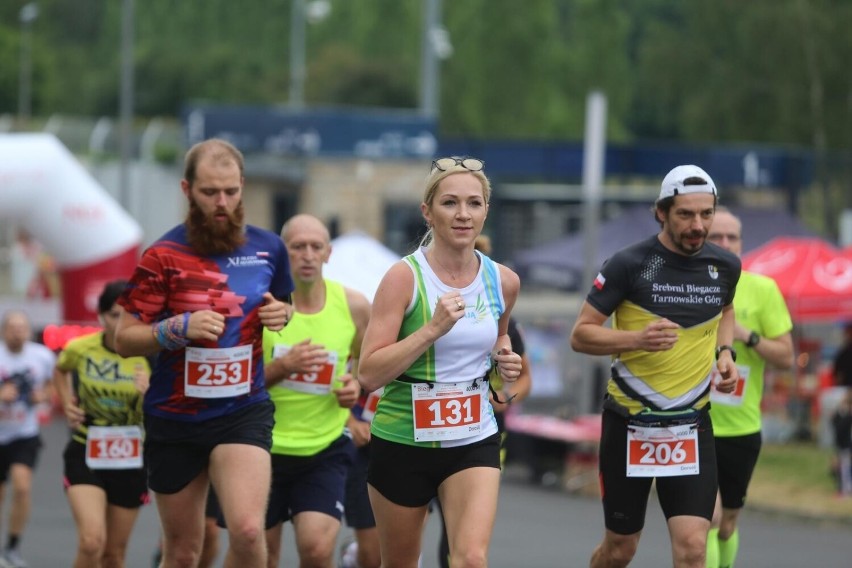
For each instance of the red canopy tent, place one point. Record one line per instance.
(814, 276)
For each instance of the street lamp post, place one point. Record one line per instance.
(435, 46)
(126, 101)
(27, 15)
(301, 14)
(297, 54)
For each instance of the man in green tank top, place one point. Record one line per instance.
(311, 368)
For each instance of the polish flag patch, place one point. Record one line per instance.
(262, 254)
(600, 281)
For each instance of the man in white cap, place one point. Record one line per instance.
(670, 297)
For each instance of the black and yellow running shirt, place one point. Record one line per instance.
(646, 282)
(102, 383)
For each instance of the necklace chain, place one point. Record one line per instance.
(450, 272)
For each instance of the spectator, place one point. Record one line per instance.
(841, 422)
(843, 360)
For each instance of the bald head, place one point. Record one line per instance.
(16, 330)
(304, 222)
(726, 231)
(308, 245)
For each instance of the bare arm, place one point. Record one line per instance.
(520, 389)
(590, 336)
(725, 363)
(359, 308)
(70, 405)
(508, 362)
(134, 337)
(777, 351)
(725, 334)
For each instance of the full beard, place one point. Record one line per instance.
(209, 237)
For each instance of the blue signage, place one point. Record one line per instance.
(315, 132)
(560, 162)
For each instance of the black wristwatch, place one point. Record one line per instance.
(729, 348)
(753, 339)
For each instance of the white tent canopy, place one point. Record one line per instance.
(359, 261)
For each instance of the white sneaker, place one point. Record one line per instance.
(348, 553)
(12, 559)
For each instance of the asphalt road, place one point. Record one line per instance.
(536, 528)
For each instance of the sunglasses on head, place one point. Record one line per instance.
(470, 164)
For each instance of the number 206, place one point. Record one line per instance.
(662, 453)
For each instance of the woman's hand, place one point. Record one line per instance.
(508, 364)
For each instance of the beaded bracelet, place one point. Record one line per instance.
(171, 332)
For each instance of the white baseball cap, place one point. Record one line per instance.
(673, 182)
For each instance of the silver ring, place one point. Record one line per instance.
(459, 304)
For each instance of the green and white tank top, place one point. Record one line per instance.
(462, 354)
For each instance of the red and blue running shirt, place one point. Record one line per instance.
(172, 279)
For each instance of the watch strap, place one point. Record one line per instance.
(753, 339)
(721, 348)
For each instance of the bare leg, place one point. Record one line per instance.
(689, 541)
(400, 530)
(469, 503)
(120, 521)
(241, 475)
(181, 518)
(616, 550)
(88, 507)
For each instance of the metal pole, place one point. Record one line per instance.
(429, 63)
(126, 100)
(297, 54)
(27, 15)
(594, 154)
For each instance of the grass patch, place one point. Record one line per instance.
(798, 463)
(797, 477)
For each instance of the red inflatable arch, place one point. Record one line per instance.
(44, 189)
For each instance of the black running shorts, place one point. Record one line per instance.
(625, 499)
(736, 457)
(126, 488)
(410, 475)
(177, 452)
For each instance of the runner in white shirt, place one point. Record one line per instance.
(25, 366)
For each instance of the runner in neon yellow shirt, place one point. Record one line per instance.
(311, 368)
(762, 335)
